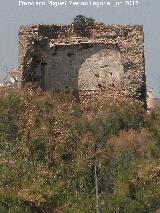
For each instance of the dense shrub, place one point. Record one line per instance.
(49, 150)
(82, 25)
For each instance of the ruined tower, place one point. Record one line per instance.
(55, 58)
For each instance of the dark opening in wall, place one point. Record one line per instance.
(97, 75)
(70, 54)
(99, 85)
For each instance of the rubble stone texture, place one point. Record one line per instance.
(110, 60)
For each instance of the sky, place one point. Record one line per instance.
(147, 13)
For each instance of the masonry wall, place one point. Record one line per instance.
(54, 58)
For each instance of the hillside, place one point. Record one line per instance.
(54, 151)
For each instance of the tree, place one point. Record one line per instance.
(82, 25)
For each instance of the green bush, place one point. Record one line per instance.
(82, 25)
(49, 149)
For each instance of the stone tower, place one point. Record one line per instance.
(55, 58)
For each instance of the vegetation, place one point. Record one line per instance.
(82, 25)
(50, 149)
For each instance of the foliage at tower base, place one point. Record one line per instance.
(50, 148)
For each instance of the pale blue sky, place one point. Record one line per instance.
(147, 14)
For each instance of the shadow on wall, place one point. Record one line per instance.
(74, 67)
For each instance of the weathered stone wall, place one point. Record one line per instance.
(113, 57)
